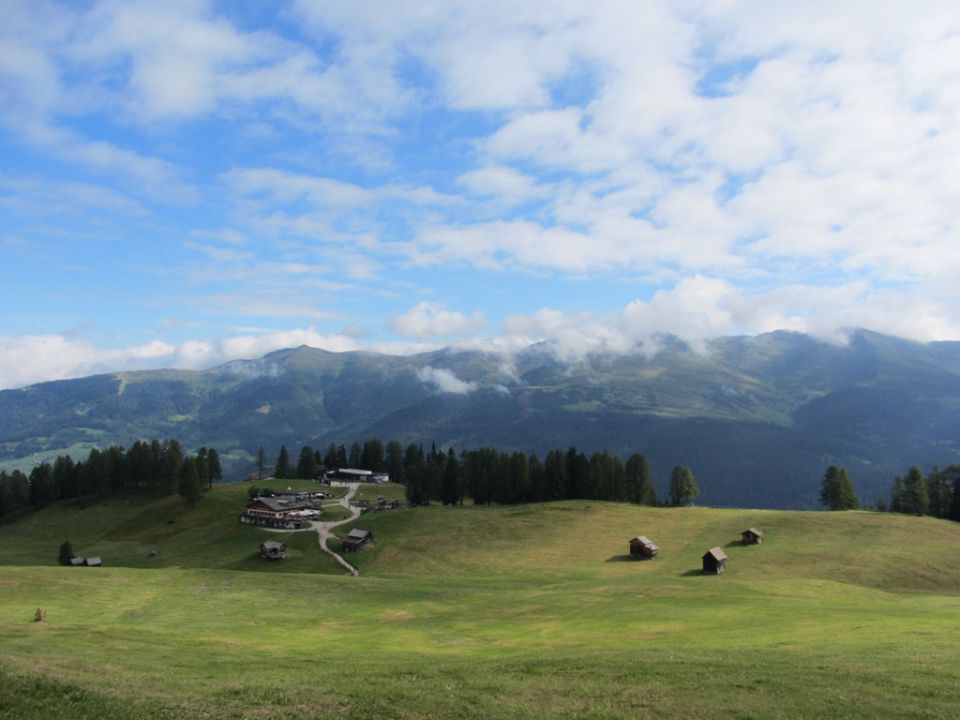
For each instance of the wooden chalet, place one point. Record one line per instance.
(643, 547)
(274, 513)
(273, 550)
(93, 562)
(752, 536)
(714, 561)
(356, 539)
(78, 562)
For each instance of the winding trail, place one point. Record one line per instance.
(324, 529)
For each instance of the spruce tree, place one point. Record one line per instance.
(190, 485)
(683, 486)
(836, 490)
(282, 469)
(915, 492)
(66, 553)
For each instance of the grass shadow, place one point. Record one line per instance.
(736, 543)
(692, 573)
(621, 558)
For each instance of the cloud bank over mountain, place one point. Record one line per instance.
(188, 183)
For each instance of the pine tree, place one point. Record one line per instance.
(639, 488)
(282, 469)
(683, 486)
(190, 485)
(915, 496)
(216, 470)
(955, 503)
(66, 553)
(836, 490)
(307, 463)
(450, 493)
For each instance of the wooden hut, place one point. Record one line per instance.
(273, 550)
(93, 562)
(356, 539)
(643, 547)
(752, 536)
(714, 561)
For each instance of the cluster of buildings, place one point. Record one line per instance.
(284, 512)
(714, 560)
(354, 475)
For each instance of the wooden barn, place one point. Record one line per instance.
(356, 539)
(93, 562)
(714, 561)
(643, 547)
(273, 550)
(752, 536)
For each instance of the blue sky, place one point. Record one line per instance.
(189, 182)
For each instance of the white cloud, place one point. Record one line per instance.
(38, 358)
(445, 381)
(428, 320)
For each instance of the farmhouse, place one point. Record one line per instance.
(715, 561)
(273, 550)
(356, 539)
(643, 547)
(752, 536)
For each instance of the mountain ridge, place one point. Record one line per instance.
(757, 417)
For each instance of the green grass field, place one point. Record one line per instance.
(480, 612)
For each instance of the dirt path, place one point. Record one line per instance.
(324, 529)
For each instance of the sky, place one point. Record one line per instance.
(188, 182)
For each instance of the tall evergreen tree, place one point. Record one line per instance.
(450, 490)
(66, 553)
(683, 486)
(955, 500)
(307, 464)
(355, 459)
(394, 461)
(190, 485)
(282, 468)
(836, 490)
(215, 468)
(915, 498)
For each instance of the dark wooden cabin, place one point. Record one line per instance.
(753, 536)
(643, 547)
(356, 539)
(273, 550)
(714, 561)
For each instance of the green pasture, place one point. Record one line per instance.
(480, 612)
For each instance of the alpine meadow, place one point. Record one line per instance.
(479, 360)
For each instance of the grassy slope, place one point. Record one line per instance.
(485, 612)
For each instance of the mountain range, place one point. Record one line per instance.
(758, 419)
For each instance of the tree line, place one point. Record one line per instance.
(486, 475)
(937, 494)
(156, 466)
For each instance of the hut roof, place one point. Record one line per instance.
(754, 531)
(644, 540)
(77, 561)
(717, 553)
(94, 562)
(358, 534)
(272, 545)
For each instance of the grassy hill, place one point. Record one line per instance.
(481, 612)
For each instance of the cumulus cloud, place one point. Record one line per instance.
(445, 381)
(428, 320)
